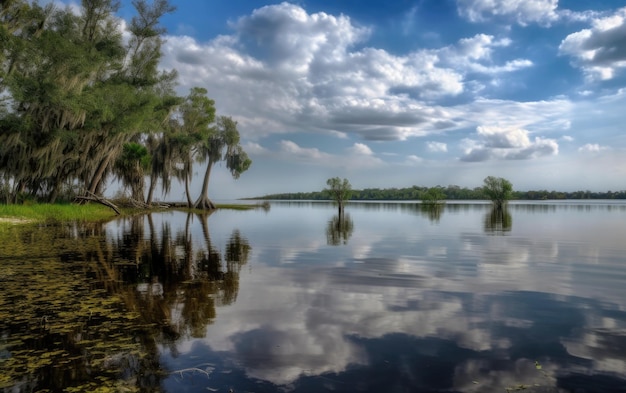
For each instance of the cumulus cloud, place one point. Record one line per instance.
(474, 55)
(292, 149)
(599, 51)
(506, 143)
(284, 69)
(361, 149)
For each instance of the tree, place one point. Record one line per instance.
(433, 196)
(339, 191)
(221, 145)
(130, 167)
(189, 128)
(73, 93)
(498, 189)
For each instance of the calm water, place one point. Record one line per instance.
(393, 298)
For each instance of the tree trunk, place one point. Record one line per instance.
(203, 201)
(153, 182)
(187, 193)
(97, 176)
(54, 194)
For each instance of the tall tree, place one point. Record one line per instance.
(339, 191)
(77, 94)
(161, 147)
(498, 189)
(221, 145)
(131, 166)
(191, 127)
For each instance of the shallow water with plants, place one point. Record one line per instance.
(391, 297)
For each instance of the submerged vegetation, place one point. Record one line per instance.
(85, 307)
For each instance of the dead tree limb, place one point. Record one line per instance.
(95, 198)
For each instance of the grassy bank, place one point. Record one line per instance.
(54, 212)
(15, 214)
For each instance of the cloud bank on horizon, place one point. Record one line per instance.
(420, 92)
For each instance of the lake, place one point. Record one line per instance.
(392, 297)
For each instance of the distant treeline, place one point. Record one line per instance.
(450, 192)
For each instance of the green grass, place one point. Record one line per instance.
(44, 212)
(55, 212)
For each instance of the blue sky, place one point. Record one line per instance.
(402, 93)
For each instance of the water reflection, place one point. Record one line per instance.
(433, 211)
(498, 221)
(339, 229)
(404, 305)
(105, 296)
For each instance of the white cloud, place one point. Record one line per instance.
(545, 115)
(506, 143)
(361, 149)
(474, 55)
(504, 138)
(292, 149)
(523, 12)
(255, 148)
(437, 147)
(358, 156)
(601, 50)
(592, 147)
(413, 160)
(285, 69)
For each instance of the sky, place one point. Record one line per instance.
(409, 92)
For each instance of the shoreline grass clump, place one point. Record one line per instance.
(46, 212)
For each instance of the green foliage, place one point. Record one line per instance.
(77, 92)
(339, 191)
(433, 196)
(222, 144)
(339, 230)
(498, 190)
(451, 192)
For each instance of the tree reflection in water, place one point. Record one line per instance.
(433, 211)
(498, 221)
(104, 305)
(180, 286)
(339, 229)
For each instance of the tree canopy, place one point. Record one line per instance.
(498, 189)
(81, 104)
(339, 191)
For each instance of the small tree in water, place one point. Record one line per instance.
(339, 191)
(433, 196)
(498, 189)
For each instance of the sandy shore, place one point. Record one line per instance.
(13, 220)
